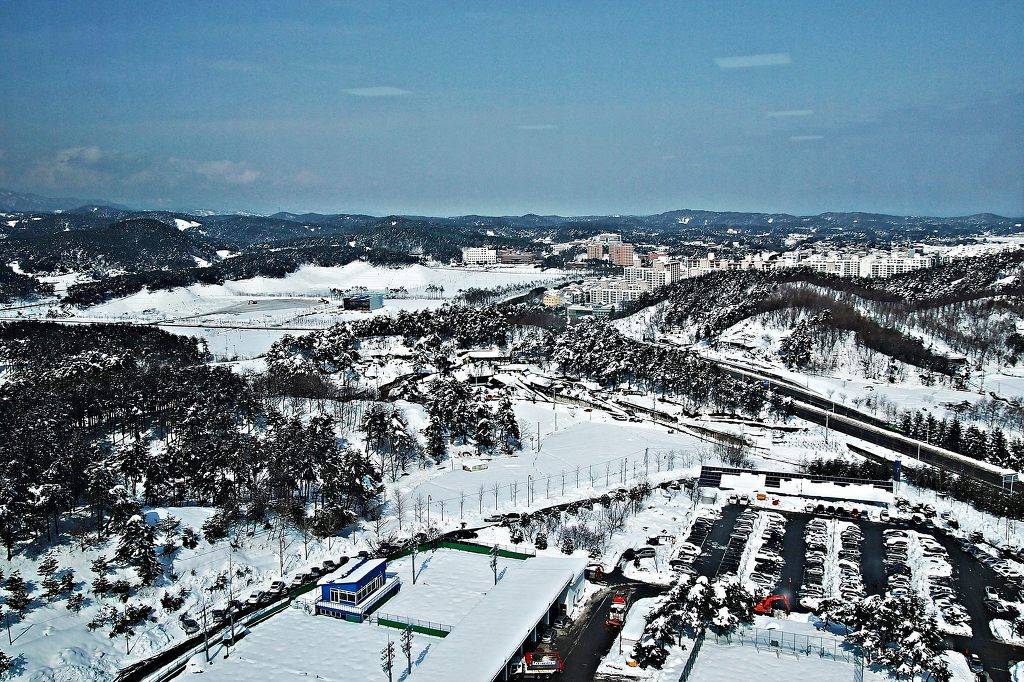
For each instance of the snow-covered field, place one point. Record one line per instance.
(449, 583)
(294, 301)
(299, 646)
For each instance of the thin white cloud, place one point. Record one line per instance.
(790, 113)
(806, 138)
(377, 91)
(230, 172)
(753, 60)
(537, 126)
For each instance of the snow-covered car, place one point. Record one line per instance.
(744, 499)
(974, 662)
(733, 499)
(644, 553)
(991, 592)
(189, 624)
(493, 518)
(883, 516)
(277, 587)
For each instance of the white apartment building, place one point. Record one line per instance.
(479, 255)
(662, 272)
(614, 291)
(887, 266)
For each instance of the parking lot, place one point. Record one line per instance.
(822, 555)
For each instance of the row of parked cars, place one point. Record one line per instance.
(768, 562)
(219, 617)
(688, 551)
(902, 547)
(817, 541)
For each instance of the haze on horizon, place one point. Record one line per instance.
(543, 107)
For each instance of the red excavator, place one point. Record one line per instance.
(773, 604)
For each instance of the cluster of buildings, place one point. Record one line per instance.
(873, 264)
(489, 255)
(633, 274)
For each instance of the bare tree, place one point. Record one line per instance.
(400, 503)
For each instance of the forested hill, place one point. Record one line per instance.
(134, 244)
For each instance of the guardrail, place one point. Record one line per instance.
(425, 627)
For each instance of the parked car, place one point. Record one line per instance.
(644, 553)
(189, 624)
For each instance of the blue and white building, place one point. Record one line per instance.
(355, 591)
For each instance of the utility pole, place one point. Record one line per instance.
(206, 636)
(407, 648)
(414, 560)
(494, 563)
(231, 598)
(280, 549)
(387, 658)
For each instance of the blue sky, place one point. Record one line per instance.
(505, 108)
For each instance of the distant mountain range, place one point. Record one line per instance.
(26, 201)
(44, 234)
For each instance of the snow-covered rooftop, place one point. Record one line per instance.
(353, 572)
(491, 633)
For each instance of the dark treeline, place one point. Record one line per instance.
(596, 350)
(985, 445)
(17, 286)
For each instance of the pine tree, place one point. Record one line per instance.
(484, 431)
(189, 538)
(437, 440)
(75, 602)
(509, 437)
(6, 663)
(48, 570)
(954, 436)
(138, 549)
(17, 593)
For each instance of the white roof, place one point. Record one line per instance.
(352, 573)
(490, 634)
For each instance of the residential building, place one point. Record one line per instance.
(552, 299)
(511, 256)
(595, 251)
(647, 278)
(621, 254)
(479, 255)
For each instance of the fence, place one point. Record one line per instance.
(798, 644)
(691, 660)
(424, 627)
